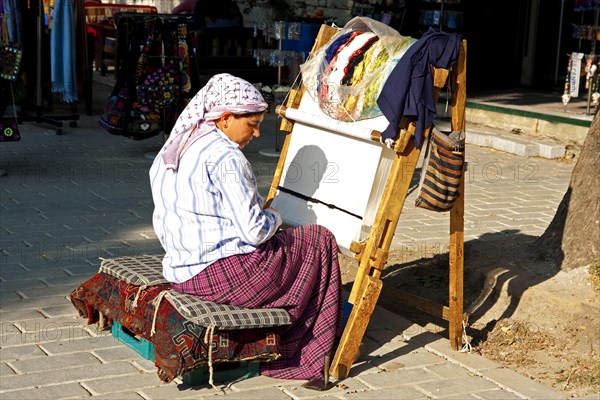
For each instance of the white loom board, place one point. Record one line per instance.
(329, 166)
(334, 169)
(296, 211)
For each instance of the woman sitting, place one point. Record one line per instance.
(222, 246)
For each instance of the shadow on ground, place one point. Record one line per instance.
(495, 264)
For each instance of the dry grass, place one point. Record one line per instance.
(595, 275)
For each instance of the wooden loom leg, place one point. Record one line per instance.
(456, 256)
(294, 98)
(355, 328)
(367, 285)
(456, 273)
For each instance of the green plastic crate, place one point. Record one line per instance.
(222, 372)
(140, 345)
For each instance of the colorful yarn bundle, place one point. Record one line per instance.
(355, 66)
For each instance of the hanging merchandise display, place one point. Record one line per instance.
(152, 88)
(184, 58)
(587, 33)
(10, 63)
(29, 60)
(593, 78)
(123, 114)
(566, 97)
(10, 54)
(446, 15)
(575, 74)
(9, 129)
(585, 5)
(573, 78)
(279, 31)
(152, 84)
(116, 110)
(590, 69)
(157, 76)
(62, 52)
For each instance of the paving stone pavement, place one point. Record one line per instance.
(67, 200)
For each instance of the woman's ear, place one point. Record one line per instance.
(224, 119)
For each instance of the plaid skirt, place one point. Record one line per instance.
(297, 270)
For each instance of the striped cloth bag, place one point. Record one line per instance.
(442, 170)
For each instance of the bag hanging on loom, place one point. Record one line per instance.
(442, 171)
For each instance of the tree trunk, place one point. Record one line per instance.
(573, 236)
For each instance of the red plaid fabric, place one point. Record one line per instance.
(297, 270)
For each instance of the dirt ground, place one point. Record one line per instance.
(524, 314)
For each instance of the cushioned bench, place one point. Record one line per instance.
(186, 332)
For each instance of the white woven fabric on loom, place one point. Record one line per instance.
(343, 175)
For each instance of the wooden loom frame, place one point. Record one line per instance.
(372, 254)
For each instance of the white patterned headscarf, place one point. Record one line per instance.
(222, 93)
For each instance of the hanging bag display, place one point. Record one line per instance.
(156, 86)
(148, 80)
(10, 64)
(9, 129)
(123, 114)
(143, 122)
(116, 110)
(118, 105)
(10, 55)
(10, 61)
(442, 171)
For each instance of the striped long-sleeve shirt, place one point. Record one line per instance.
(209, 209)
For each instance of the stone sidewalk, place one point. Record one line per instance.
(68, 200)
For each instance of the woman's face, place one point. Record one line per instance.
(242, 129)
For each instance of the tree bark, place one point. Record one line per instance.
(573, 236)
